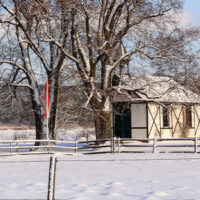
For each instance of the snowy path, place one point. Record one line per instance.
(103, 177)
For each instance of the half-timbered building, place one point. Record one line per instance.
(154, 106)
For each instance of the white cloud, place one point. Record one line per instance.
(186, 18)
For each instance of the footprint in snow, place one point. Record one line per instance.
(180, 188)
(158, 194)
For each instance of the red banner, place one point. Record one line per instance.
(45, 99)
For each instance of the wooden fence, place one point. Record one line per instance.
(112, 145)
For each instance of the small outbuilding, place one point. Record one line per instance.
(154, 106)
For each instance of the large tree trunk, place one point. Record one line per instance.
(39, 109)
(40, 121)
(103, 125)
(102, 117)
(103, 120)
(54, 87)
(41, 129)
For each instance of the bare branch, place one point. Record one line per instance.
(13, 64)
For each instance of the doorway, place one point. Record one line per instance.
(122, 120)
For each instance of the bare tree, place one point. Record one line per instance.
(71, 112)
(35, 37)
(97, 37)
(110, 36)
(15, 106)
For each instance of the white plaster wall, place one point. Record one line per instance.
(166, 133)
(138, 115)
(154, 120)
(139, 133)
(174, 129)
(177, 113)
(196, 111)
(138, 119)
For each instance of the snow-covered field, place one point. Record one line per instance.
(78, 133)
(103, 177)
(99, 177)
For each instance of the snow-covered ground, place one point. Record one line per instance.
(77, 133)
(106, 176)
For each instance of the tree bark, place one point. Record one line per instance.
(39, 110)
(103, 125)
(40, 121)
(54, 87)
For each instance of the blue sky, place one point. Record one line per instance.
(192, 7)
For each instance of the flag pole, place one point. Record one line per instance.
(47, 107)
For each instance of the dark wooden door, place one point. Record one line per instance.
(122, 121)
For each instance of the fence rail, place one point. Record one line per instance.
(112, 145)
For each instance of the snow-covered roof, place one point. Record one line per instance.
(158, 88)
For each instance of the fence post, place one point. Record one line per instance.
(195, 145)
(118, 144)
(48, 144)
(17, 146)
(52, 176)
(10, 147)
(154, 145)
(87, 138)
(76, 147)
(113, 144)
